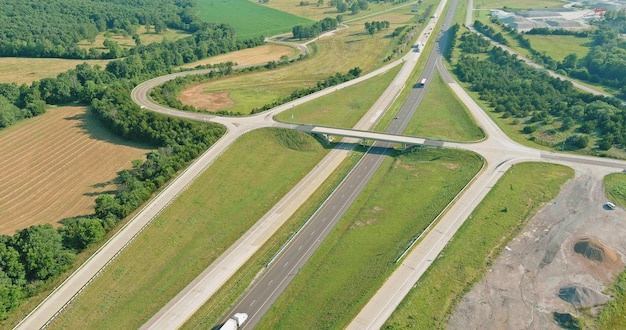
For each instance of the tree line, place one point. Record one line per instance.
(86, 83)
(376, 26)
(517, 90)
(308, 32)
(53, 28)
(604, 64)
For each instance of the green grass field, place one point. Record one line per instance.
(442, 115)
(615, 185)
(478, 242)
(343, 108)
(315, 12)
(348, 48)
(195, 229)
(555, 46)
(404, 196)
(249, 19)
(612, 315)
(558, 47)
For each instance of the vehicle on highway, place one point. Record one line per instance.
(422, 83)
(235, 322)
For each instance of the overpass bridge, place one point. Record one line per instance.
(405, 141)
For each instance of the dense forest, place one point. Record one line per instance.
(52, 28)
(541, 102)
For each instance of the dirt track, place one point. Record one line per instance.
(521, 289)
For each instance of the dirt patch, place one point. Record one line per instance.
(212, 101)
(256, 55)
(55, 165)
(451, 166)
(566, 256)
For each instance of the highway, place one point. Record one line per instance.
(499, 151)
(273, 281)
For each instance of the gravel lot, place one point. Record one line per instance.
(575, 240)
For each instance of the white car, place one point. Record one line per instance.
(610, 205)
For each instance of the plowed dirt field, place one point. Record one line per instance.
(55, 165)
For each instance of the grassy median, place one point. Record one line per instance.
(464, 261)
(223, 203)
(405, 195)
(442, 115)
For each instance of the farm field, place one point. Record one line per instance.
(249, 56)
(55, 165)
(477, 243)
(315, 12)
(26, 70)
(348, 48)
(403, 197)
(249, 19)
(211, 214)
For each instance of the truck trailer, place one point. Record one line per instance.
(235, 322)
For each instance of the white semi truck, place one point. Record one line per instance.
(235, 322)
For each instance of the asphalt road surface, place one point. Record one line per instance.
(273, 281)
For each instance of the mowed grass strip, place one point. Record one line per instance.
(343, 108)
(404, 196)
(55, 165)
(250, 19)
(221, 205)
(211, 313)
(612, 315)
(517, 196)
(26, 70)
(442, 115)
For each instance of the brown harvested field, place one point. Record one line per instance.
(213, 101)
(256, 55)
(26, 70)
(54, 166)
